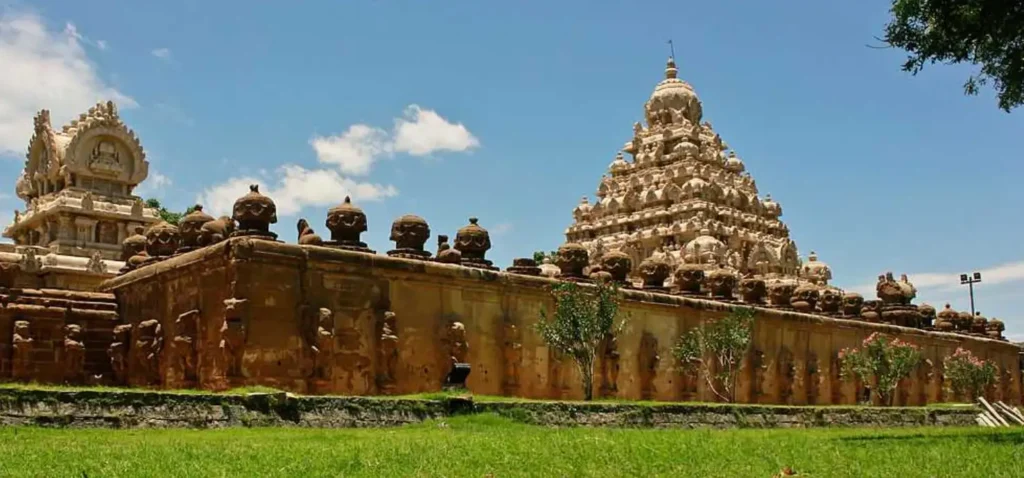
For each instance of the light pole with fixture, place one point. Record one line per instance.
(970, 280)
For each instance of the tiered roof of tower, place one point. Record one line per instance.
(683, 194)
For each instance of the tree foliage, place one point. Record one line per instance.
(539, 256)
(584, 316)
(880, 360)
(169, 216)
(716, 349)
(987, 33)
(968, 374)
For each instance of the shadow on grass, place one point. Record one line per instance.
(1014, 437)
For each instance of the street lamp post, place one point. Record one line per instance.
(970, 280)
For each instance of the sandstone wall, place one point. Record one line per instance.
(282, 288)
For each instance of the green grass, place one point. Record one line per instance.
(480, 445)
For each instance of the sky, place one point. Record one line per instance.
(511, 111)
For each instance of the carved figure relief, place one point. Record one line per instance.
(388, 352)
(118, 352)
(513, 355)
(321, 343)
(72, 357)
(183, 347)
(148, 344)
(21, 354)
(786, 371)
(306, 235)
(232, 344)
(649, 360)
(757, 372)
(813, 384)
(458, 347)
(610, 366)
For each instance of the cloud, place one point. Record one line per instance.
(949, 281)
(46, 69)
(154, 185)
(501, 229)
(353, 151)
(422, 132)
(293, 188)
(162, 53)
(101, 44)
(419, 132)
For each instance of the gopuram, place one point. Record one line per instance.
(217, 303)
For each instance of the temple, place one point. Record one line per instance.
(89, 296)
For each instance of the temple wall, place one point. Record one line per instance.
(793, 358)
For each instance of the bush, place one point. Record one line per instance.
(967, 374)
(716, 349)
(882, 360)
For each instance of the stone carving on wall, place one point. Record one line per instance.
(346, 223)
(648, 360)
(319, 334)
(133, 250)
(232, 345)
(212, 232)
(22, 344)
(119, 352)
(617, 264)
(190, 228)
(721, 282)
(148, 344)
(458, 354)
(757, 375)
(852, 303)
(813, 384)
(410, 234)
(445, 253)
(804, 298)
(753, 290)
(835, 379)
(610, 366)
(780, 293)
(183, 354)
(653, 271)
(571, 259)
(871, 311)
(162, 241)
(829, 301)
(254, 214)
(688, 279)
(513, 352)
(927, 316)
(96, 264)
(786, 373)
(388, 353)
(29, 261)
(72, 357)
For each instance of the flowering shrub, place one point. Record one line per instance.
(968, 374)
(716, 349)
(882, 360)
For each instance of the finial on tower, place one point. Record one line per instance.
(670, 67)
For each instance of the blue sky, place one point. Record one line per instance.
(511, 111)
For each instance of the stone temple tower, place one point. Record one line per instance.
(77, 185)
(684, 194)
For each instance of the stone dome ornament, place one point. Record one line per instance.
(688, 278)
(927, 316)
(672, 100)
(571, 259)
(549, 269)
(771, 208)
(254, 213)
(704, 249)
(753, 290)
(524, 266)
(618, 265)
(946, 320)
(133, 251)
(653, 271)
(473, 242)
(346, 223)
(852, 303)
(189, 228)
(734, 164)
(815, 271)
(721, 282)
(410, 233)
(162, 240)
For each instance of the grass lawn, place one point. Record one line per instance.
(485, 445)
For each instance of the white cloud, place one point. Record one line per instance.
(162, 53)
(154, 185)
(949, 281)
(353, 151)
(44, 69)
(501, 229)
(101, 44)
(294, 188)
(419, 132)
(423, 132)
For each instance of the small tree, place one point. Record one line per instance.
(716, 348)
(886, 361)
(539, 256)
(583, 317)
(968, 374)
(168, 216)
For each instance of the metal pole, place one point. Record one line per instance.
(970, 285)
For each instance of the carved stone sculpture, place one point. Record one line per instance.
(96, 264)
(927, 313)
(322, 343)
(688, 279)
(609, 366)
(119, 352)
(133, 245)
(979, 324)
(458, 350)
(964, 321)
(653, 271)
(617, 264)
(753, 290)
(410, 234)
(524, 266)
(597, 274)
(184, 352)
(513, 352)
(805, 297)
(572, 258)
(232, 345)
(21, 355)
(473, 242)
(162, 240)
(212, 232)
(148, 344)
(721, 282)
(780, 293)
(254, 214)
(445, 253)
(190, 226)
(306, 235)
(346, 223)
(388, 353)
(829, 301)
(946, 319)
(852, 303)
(871, 311)
(994, 329)
(648, 361)
(73, 354)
